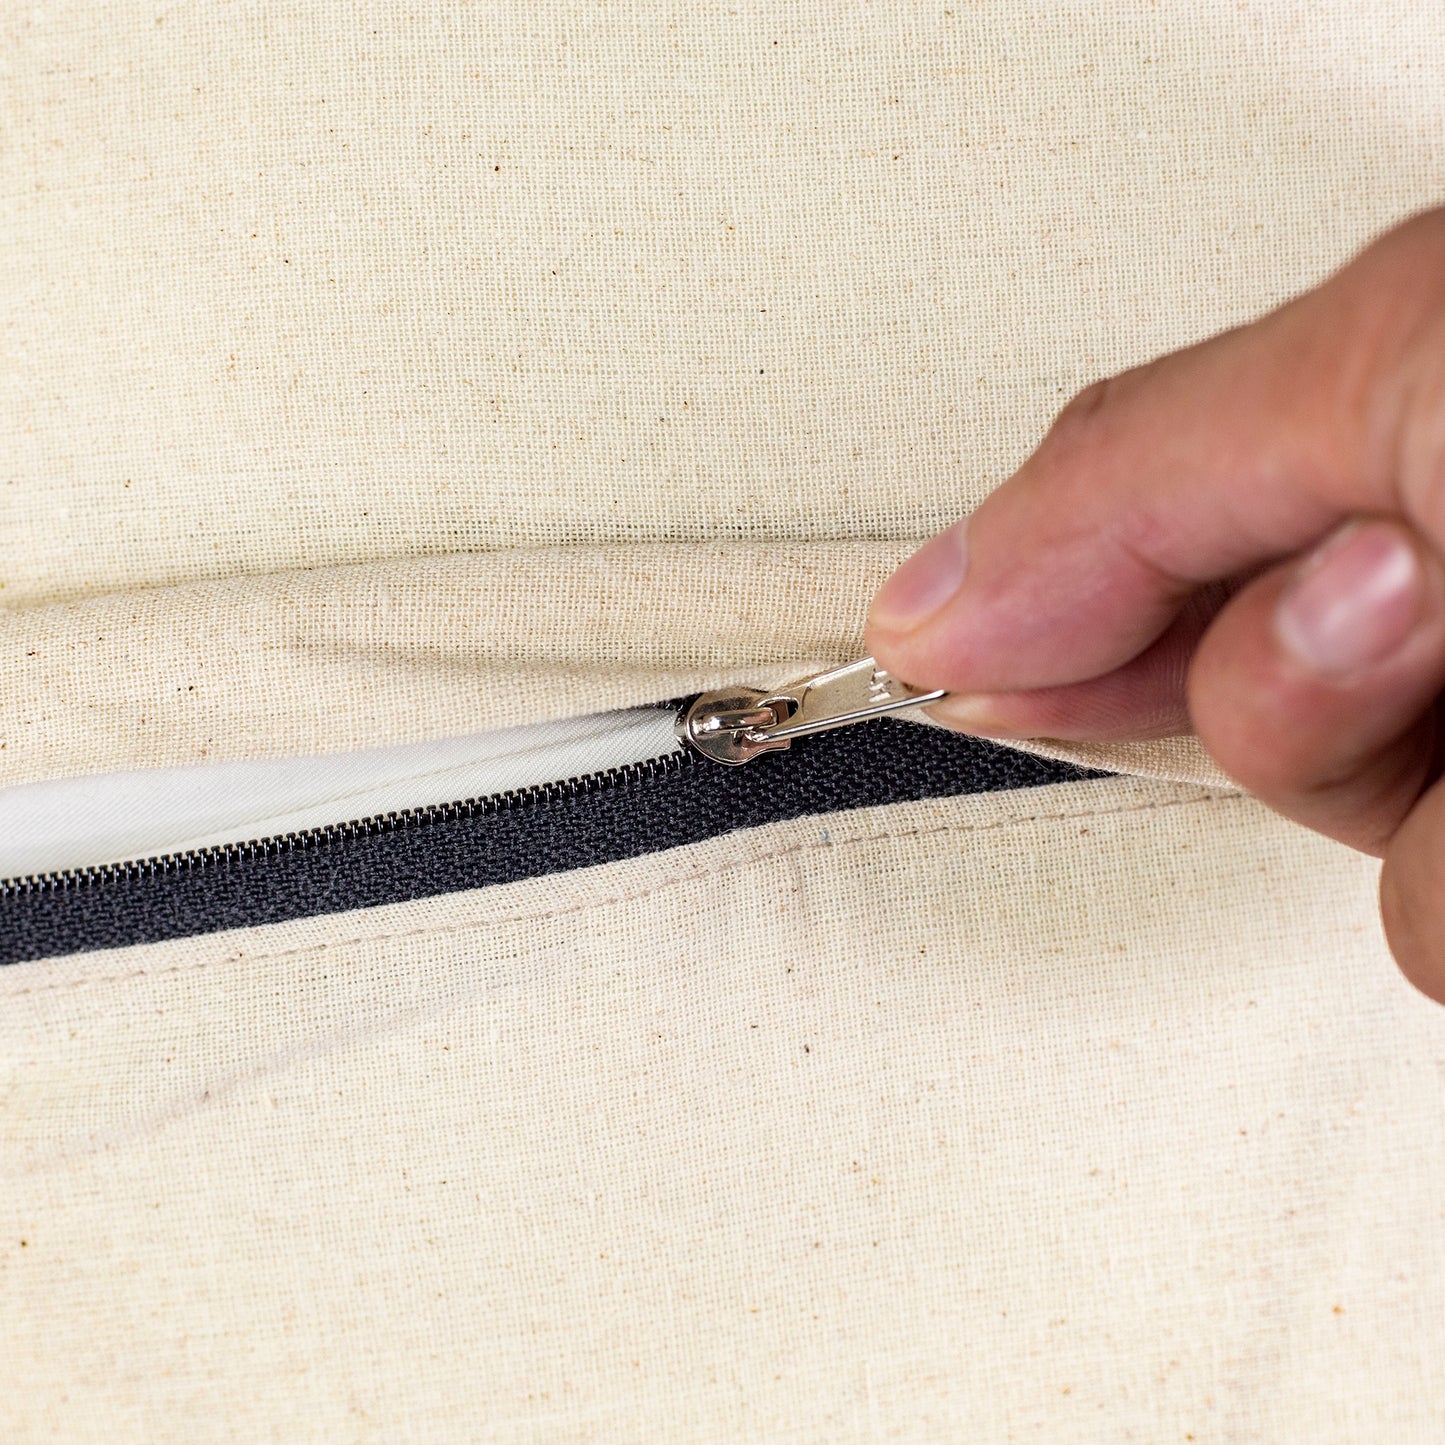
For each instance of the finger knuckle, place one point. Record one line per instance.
(1419, 459)
(1236, 726)
(1084, 416)
(1412, 893)
(1418, 239)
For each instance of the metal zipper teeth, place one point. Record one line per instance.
(538, 795)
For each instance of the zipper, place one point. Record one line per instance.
(668, 792)
(736, 725)
(332, 834)
(77, 828)
(72, 826)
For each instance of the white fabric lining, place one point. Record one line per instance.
(85, 822)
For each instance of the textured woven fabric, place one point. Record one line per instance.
(376, 372)
(286, 285)
(344, 658)
(1072, 1114)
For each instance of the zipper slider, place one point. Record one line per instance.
(734, 725)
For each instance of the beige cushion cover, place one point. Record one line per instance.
(1071, 1112)
(381, 372)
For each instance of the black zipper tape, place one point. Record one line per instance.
(604, 818)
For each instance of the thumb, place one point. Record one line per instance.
(1201, 466)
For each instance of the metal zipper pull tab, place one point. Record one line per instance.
(734, 725)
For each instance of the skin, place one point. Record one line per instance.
(1144, 572)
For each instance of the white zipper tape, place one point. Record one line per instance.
(88, 822)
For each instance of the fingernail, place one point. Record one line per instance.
(1354, 601)
(971, 713)
(923, 584)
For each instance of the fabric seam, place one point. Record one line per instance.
(725, 866)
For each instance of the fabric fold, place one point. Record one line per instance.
(344, 658)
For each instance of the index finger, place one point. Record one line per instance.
(1192, 469)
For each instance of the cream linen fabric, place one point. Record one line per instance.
(1086, 1113)
(372, 373)
(405, 651)
(291, 285)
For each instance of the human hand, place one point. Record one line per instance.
(1244, 540)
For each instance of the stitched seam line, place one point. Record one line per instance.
(728, 865)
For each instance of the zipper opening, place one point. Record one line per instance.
(675, 798)
(600, 788)
(196, 816)
(380, 825)
(124, 825)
